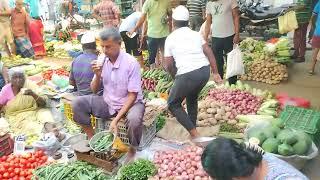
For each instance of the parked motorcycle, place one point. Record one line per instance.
(257, 19)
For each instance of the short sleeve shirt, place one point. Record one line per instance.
(82, 73)
(157, 17)
(6, 94)
(222, 21)
(19, 22)
(109, 13)
(195, 7)
(185, 46)
(4, 6)
(316, 11)
(130, 22)
(119, 79)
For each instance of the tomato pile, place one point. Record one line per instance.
(47, 75)
(20, 167)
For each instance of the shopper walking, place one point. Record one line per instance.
(303, 14)
(197, 10)
(6, 38)
(188, 59)
(132, 43)
(312, 28)
(316, 37)
(158, 16)
(223, 19)
(108, 12)
(20, 29)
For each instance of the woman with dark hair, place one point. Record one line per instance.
(225, 159)
(36, 37)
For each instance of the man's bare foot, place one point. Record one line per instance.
(130, 155)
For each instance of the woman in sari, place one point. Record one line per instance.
(24, 106)
(36, 37)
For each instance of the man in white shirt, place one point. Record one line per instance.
(188, 59)
(131, 43)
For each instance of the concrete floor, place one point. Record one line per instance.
(299, 84)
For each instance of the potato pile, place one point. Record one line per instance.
(212, 113)
(265, 71)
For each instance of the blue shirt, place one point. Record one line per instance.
(316, 11)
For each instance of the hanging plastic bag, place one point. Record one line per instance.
(288, 22)
(234, 63)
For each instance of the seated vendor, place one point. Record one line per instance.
(122, 96)
(81, 71)
(23, 105)
(4, 77)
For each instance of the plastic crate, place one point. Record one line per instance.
(302, 119)
(6, 145)
(148, 133)
(69, 113)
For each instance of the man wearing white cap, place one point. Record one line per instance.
(187, 58)
(81, 71)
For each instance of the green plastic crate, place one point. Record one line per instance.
(302, 119)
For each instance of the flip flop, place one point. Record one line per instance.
(311, 72)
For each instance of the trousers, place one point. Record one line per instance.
(187, 86)
(85, 106)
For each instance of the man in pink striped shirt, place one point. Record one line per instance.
(108, 12)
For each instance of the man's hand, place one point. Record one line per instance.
(141, 41)
(96, 68)
(236, 39)
(114, 126)
(217, 78)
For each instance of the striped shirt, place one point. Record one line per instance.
(109, 12)
(81, 72)
(196, 7)
(304, 14)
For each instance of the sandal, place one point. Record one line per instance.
(311, 72)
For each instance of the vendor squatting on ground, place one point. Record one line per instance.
(122, 97)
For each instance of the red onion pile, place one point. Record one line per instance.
(149, 84)
(180, 164)
(241, 102)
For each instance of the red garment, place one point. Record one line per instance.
(36, 37)
(300, 40)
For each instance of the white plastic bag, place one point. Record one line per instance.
(4, 127)
(235, 63)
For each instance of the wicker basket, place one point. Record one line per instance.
(148, 133)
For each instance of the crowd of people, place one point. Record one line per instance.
(108, 84)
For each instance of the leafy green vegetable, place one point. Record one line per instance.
(138, 170)
(271, 145)
(161, 121)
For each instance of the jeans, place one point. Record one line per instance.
(187, 86)
(221, 47)
(154, 44)
(300, 40)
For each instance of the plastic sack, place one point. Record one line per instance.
(234, 63)
(287, 22)
(49, 143)
(4, 127)
(285, 100)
